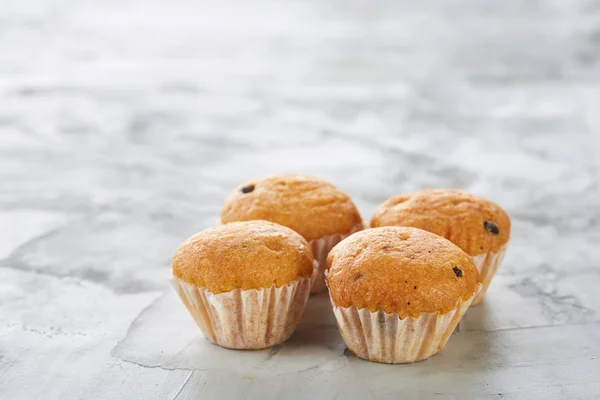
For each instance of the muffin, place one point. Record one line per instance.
(316, 209)
(398, 293)
(245, 283)
(478, 226)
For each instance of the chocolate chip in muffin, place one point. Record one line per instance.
(491, 227)
(457, 271)
(248, 189)
(358, 276)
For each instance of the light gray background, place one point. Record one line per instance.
(123, 125)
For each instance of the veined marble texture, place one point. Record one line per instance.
(124, 124)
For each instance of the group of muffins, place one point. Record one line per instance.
(398, 289)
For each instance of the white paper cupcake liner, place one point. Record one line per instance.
(386, 338)
(246, 319)
(487, 264)
(321, 248)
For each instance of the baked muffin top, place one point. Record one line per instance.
(312, 207)
(243, 255)
(473, 223)
(398, 269)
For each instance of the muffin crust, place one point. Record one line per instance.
(473, 223)
(243, 255)
(312, 207)
(398, 269)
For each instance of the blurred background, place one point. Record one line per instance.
(124, 124)
(130, 121)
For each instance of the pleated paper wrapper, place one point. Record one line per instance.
(386, 338)
(246, 319)
(487, 264)
(320, 249)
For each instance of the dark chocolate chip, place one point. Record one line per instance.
(408, 303)
(405, 281)
(385, 247)
(457, 271)
(358, 276)
(491, 227)
(415, 286)
(429, 251)
(248, 189)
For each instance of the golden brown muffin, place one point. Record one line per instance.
(400, 270)
(312, 207)
(473, 223)
(243, 255)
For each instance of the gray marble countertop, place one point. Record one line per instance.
(123, 125)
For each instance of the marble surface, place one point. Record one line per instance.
(123, 124)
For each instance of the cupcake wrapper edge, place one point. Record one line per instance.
(246, 319)
(386, 338)
(321, 248)
(487, 264)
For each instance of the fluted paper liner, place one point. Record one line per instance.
(320, 249)
(387, 338)
(487, 264)
(246, 319)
